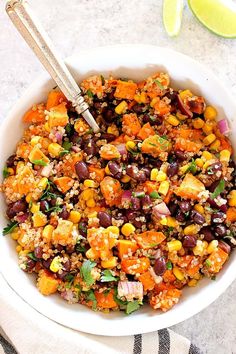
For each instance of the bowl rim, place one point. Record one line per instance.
(224, 281)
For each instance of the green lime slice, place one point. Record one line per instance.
(217, 15)
(172, 16)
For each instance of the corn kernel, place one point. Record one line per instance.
(56, 265)
(191, 229)
(121, 108)
(125, 179)
(215, 145)
(18, 248)
(181, 116)
(209, 139)
(10, 171)
(207, 128)
(210, 113)
(130, 145)
(46, 127)
(199, 249)
(207, 164)
(92, 254)
(168, 221)
(74, 216)
(232, 198)
(87, 194)
(192, 283)
(15, 234)
(91, 203)
(183, 169)
(164, 187)
(47, 232)
(178, 274)
(112, 129)
(154, 101)
(29, 198)
(163, 221)
(89, 183)
(154, 174)
(172, 120)
(39, 219)
(114, 230)
(54, 149)
(24, 252)
(43, 183)
(212, 246)
(207, 155)
(127, 229)
(199, 163)
(35, 140)
(225, 156)
(199, 208)
(92, 215)
(198, 123)
(110, 263)
(19, 167)
(107, 171)
(185, 94)
(143, 97)
(174, 245)
(137, 98)
(161, 176)
(35, 208)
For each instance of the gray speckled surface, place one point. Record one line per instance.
(77, 24)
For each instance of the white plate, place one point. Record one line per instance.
(135, 62)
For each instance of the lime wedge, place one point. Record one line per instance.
(217, 15)
(172, 16)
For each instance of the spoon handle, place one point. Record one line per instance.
(31, 30)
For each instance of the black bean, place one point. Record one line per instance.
(185, 206)
(137, 108)
(10, 212)
(135, 203)
(214, 168)
(108, 137)
(197, 217)
(44, 206)
(152, 119)
(142, 176)
(82, 170)
(90, 147)
(173, 208)
(189, 241)
(208, 235)
(67, 265)
(213, 186)
(10, 161)
(97, 105)
(147, 171)
(46, 263)
(218, 217)
(146, 203)
(131, 215)
(180, 216)
(160, 266)
(220, 230)
(62, 274)
(132, 171)
(181, 156)
(224, 246)
(20, 206)
(108, 115)
(70, 249)
(104, 219)
(30, 264)
(64, 214)
(76, 139)
(82, 228)
(173, 169)
(110, 95)
(38, 252)
(115, 169)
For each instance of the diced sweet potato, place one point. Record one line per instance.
(58, 116)
(216, 260)
(125, 247)
(98, 239)
(23, 150)
(147, 281)
(63, 233)
(187, 145)
(39, 219)
(54, 99)
(168, 276)
(191, 134)
(111, 190)
(165, 300)
(64, 183)
(146, 131)
(130, 124)
(150, 239)
(97, 173)
(231, 214)
(37, 155)
(150, 186)
(35, 115)
(94, 84)
(81, 126)
(125, 90)
(161, 108)
(46, 283)
(109, 152)
(105, 300)
(135, 265)
(155, 145)
(25, 180)
(190, 187)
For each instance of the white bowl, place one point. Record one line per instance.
(135, 62)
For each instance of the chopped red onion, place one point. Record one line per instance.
(58, 136)
(130, 290)
(126, 198)
(46, 170)
(122, 149)
(22, 218)
(161, 210)
(223, 125)
(75, 148)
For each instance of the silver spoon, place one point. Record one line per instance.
(31, 30)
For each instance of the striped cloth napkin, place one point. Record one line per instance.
(24, 331)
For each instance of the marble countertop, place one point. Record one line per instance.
(78, 24)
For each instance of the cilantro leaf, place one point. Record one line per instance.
(155, 195)
(107, 276)
(192, 167)
(5, 172)
(208, 263)
(159, 84)
(10, 227)
(32, 256)
(132, 306)
(219, 189)
(67, 145)
(85, 272)
(91, 297)
(89, 93)
(39, 162)
(169, 265)
(79, 248)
